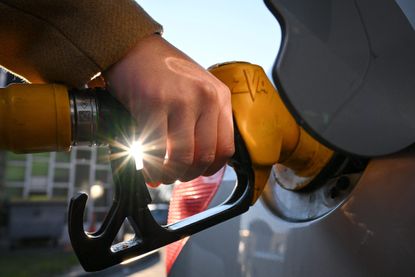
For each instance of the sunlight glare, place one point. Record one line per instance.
(136, 151)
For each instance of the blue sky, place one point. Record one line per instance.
(216, 31)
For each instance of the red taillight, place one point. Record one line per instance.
(187, 199)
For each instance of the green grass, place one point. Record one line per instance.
(40, 169)
(36, 262)
(15, 157)
(15, 173)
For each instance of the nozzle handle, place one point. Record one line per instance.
(96, 251)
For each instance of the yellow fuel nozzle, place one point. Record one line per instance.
(269, 131)
(35, 118)
(39, 118)
(49, 117)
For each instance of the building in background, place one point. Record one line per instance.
(58, 176)
(2, 165)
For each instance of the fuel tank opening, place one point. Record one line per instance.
(323, 194)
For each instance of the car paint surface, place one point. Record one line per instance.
(370, 234)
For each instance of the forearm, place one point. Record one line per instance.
(68, 41)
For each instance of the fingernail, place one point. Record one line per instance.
(153, 184)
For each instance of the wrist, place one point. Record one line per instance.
(122, 66)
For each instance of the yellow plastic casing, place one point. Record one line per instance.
(270, 133)
(35, 118)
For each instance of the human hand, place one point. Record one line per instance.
(183, 112)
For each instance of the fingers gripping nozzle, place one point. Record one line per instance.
(35, 118)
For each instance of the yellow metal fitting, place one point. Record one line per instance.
(35, 118)
(269, 131)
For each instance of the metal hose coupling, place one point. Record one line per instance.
(97, 117)
(84, 117)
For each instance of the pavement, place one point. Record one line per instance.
(157, 269)
(149, 266)
(152, 265)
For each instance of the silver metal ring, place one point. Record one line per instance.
(84, 115)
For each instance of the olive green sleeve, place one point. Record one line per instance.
(68, 41)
